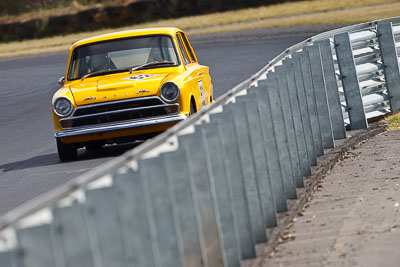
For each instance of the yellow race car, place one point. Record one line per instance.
(127, 86)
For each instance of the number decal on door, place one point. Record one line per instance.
(203, 97)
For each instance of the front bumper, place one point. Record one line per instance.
(120, 126)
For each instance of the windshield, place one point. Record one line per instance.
(122, 54)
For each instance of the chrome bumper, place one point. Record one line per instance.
(121, 126)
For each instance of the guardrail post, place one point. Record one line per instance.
(332, 91)
(202, 196)
(192, 253)
(161, 215)
(350, 82)
(320, 96)
(234, 172)
(271, 150)
(280, 135)
(391, 64)
(6, 259)
(305, 163)
(33, 253)
(310, 100)
(139, 237)
(221, 190)
(305, 117)
(289, 126)
(104, 225)
(260, 159)
(254, 201)
(71, 235)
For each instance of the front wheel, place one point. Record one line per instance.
(66, 152)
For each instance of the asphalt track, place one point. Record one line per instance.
(29, 164)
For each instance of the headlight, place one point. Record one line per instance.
(62, 107)
(170, 91)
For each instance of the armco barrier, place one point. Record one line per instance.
(204, 192)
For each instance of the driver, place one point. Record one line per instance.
(98, 62)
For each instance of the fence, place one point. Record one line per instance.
(204, 192)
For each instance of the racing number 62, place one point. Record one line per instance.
(203, 98)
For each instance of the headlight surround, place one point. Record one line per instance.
(62, 107)
(170, 91)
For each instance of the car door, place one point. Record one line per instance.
(198, 76)
(203, 70)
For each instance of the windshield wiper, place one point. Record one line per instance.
(110, 71)
(104, 72)
(153, 63)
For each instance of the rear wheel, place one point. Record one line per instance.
(66, 152)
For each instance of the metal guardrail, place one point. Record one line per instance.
(204, 192)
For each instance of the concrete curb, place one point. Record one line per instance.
(325, 164)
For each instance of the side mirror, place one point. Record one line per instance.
(61, 80)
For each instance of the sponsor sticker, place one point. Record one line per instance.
(203, 97)
(140, 77)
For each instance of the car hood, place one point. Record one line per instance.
(117, 87)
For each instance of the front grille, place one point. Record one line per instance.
(118, 105)
(119, 111)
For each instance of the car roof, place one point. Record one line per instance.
(127, 33)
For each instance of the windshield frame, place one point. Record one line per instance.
(179, 63)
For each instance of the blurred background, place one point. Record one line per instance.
(25, 19)
(30, 27)
(9, 8)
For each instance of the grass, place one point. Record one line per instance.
(393, 122)
(268, 12)
(42, 13)
(286, 14)
(72, 8)
(339, 17)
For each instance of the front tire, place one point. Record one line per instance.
(66, 152)
(192, 109)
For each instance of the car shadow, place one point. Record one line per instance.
(38, 161)
(83, 155)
